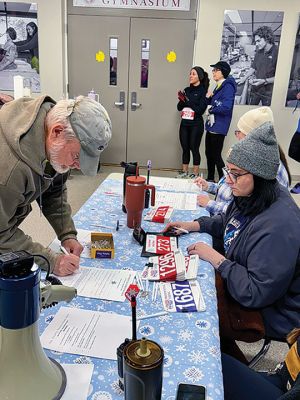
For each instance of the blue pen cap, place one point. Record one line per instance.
(20, 300)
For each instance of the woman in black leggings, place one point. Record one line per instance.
(192, 104)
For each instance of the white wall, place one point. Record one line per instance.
(207, 51)
(50, 25)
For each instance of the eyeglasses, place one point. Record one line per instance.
(231, 175)
(215, 70)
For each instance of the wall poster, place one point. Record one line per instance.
(250, 43)
(19, 49)
(293, 93)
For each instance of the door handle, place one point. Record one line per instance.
(134, 104)
(121, 102)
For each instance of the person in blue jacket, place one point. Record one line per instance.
(260, 270)
(221, 102)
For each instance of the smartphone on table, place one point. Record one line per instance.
(185, 391)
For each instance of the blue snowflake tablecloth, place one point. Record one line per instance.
(190, 340)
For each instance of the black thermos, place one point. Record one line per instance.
(120, 351)
(130, 170)
(143, 370)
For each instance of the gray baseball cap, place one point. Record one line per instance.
(92, 126)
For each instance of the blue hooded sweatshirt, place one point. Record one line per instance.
(222, 102)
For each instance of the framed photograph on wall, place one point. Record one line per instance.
(293, 92)
(19, 45)
(250, 43)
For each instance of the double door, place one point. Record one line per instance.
(137, 65)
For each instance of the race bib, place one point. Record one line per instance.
(184, 296)
(160, 244)
(191, 266)
(187, 113)
(167, 267)
(159, 214)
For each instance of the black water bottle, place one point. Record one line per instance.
(130, 170)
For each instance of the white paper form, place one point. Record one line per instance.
(175, 185)
(83, 237)
(180, 201)
(106, 284)
(78, 381)
(86, 332)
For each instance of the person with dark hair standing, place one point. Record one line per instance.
(258, 277)
(221, 102)
(30, 46)
(192, 104)
(263, 67)
(9, 51)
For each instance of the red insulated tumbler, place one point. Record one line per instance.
(135, 199)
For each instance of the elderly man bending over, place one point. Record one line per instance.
(40, 140)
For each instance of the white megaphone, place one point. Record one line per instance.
(25, 370)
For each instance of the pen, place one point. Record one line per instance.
(159, 314)
(112, 194)
(149, 165)
(64, 250)
(181, 229)
(118, 225)
(103, 226)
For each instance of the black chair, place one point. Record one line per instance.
(263, 351)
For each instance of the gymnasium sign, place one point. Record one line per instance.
(175, 5)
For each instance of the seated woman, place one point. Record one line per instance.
(9, 51)
(241, 382)
(249, 121)
(260, 272)
(30, 46)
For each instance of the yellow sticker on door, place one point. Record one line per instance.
(100, 56)
(171, 56)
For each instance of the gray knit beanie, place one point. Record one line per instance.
(258, 153)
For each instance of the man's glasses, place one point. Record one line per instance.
(231, 175)
(215, 70)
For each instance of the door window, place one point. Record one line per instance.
(113, 63)
(145, 58)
